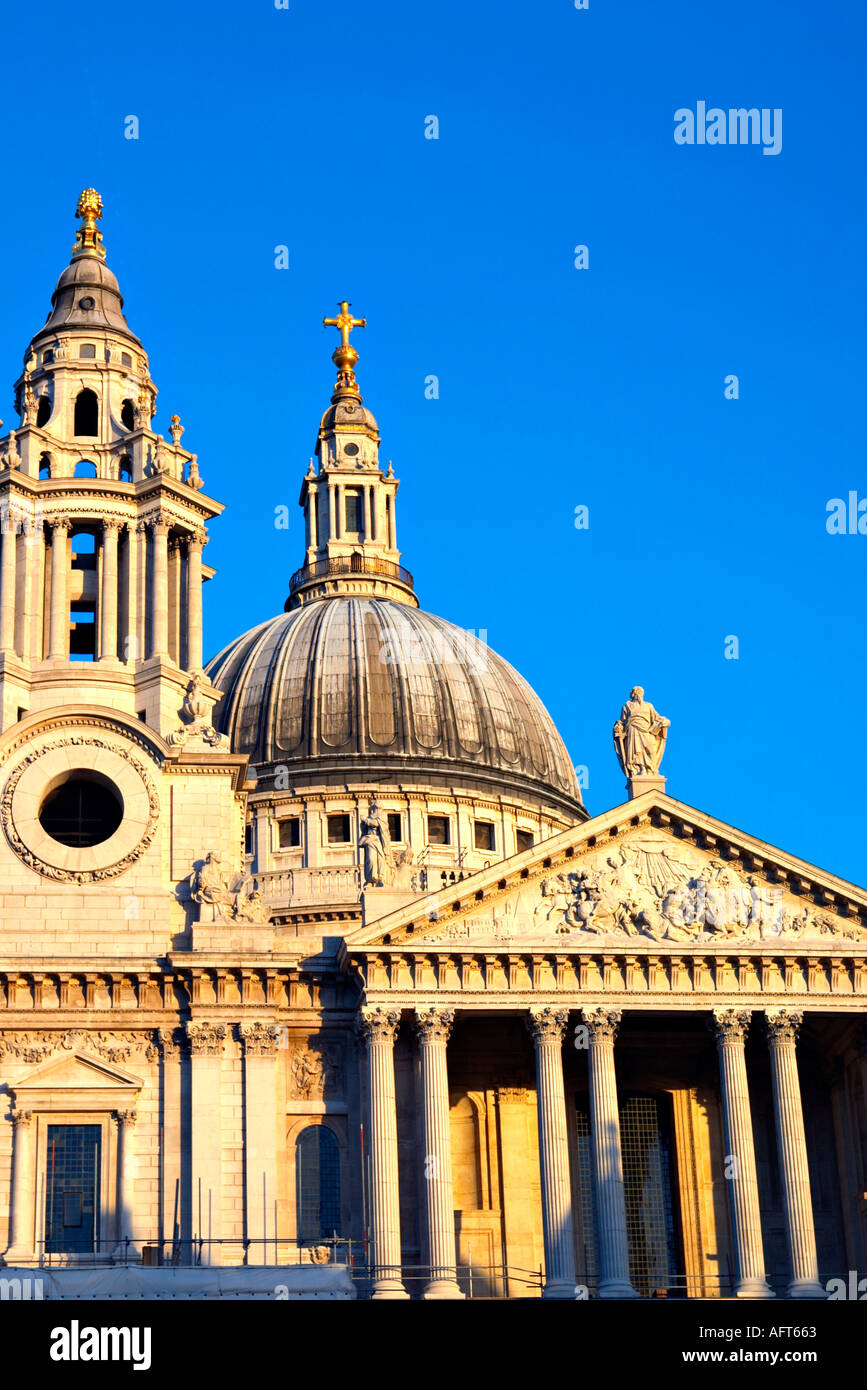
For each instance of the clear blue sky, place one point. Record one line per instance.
(558, 387)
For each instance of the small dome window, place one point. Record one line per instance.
(47, 357)
(43, 412)
(125, 359)
(87, 303)
(87, 350)
(351, 449)
(86, 413)
(85, 469)
(127, 415)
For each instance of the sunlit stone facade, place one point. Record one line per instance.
(317, 956)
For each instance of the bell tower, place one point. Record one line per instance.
(103, 519)
(348, 500)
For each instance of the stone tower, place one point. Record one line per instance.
(103, 520)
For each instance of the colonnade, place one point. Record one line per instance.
(547, 1025)
(145, 593)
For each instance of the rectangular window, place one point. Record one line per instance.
(338, 829)
(87, 350)
(524, 839)
(82, 632)
(72, 1182)
(248, 839)
(290, 832)
(439, 831)
(353, 511)
(395, 830)
(483, 834)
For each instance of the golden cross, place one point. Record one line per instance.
(344, 321)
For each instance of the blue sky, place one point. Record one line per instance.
(558, 387)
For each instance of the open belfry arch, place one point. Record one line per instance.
(315, 956)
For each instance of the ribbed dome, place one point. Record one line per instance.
(348, 414)
(389, 689)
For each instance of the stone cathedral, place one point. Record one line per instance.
(314, 967)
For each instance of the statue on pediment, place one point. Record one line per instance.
(639, 736)
(210, 888)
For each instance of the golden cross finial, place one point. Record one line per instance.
(88, 239)
(344, 321)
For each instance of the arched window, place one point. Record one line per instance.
(124, 469)
(127, 415)
(85, 469)
(45, 465)
(86, 413)
(87, 350)
(43, 412)
(47, 356)
(125, 359)
(317, 1179)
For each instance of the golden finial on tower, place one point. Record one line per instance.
(345, 356)
(88, 239)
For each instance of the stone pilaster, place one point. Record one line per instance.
(22, 1235)
(547, 1027)
(782, 1026)
(433, 1027)
(108, 602)
(614, 1280)
(195, 544)
(379, 1029)
(730, 1028)
(125, 1202)
(7, 583)
(160, 588)
(206, 1060)
(260, 1042)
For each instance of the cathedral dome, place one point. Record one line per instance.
(374, 689)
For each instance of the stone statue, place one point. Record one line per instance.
(12, 459)
(210, 888)
(248, 905)
(195, 714)
(639, 736)
(379, 865)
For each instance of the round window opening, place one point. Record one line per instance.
(81, 808)
(351, 449)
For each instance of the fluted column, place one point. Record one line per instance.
(7, 583)
(730, 1027)
(160, 589)
(125, 1179)
(206, 1134)
(379, 1028)
(433, 1027)
(547, 1027)
(782, 1026)
(58, 641)
(195, 545)
(608, 1190)
(108, 601)
(22, 1234)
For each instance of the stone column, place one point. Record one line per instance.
(547, 1027)
(341, 513)
(195, 545)
(22, 1234)
(7, 583)
(332, 511)
(379, 1028)
(108, 603)
(433, 1027)
(125, 1201)
(206, 1141)
(782, 1026)
(365, 502)
(610, 1198)
(260, 1148)
(160, 589)
(730, 1027)
(58, 647)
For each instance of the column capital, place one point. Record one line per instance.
(21, 1118)
(378, 1025)
(782, 1025)
(199, 539)
(206, 1039)
(433, 1025)
(259, 1039)
(730, 1025)
(112, 523)
(126, 1118)
(602, 1022)
(60, 523)
(159, 523)
(547, 1025)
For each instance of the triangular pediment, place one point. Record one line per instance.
(78, 1072)
(650, 873)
